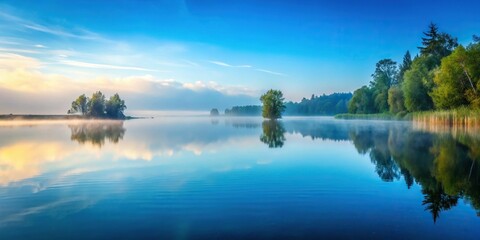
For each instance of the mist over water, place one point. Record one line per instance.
(218, 178)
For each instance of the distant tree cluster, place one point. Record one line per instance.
(249, 110)
(324, 105)
(214, 112)
(444, 75)
(98, 106)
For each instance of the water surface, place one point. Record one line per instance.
(237, 178)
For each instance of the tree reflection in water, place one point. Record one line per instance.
(444, 165)
(96, 132)
(273, 133)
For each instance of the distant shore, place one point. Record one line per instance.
(12, 117)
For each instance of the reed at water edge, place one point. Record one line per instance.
(461, 117)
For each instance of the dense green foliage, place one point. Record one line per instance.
(416, 85)
(396, 100)
(272, 104)
(384, 77)
(80, 105)
(362, 101)
(98, 107)
(115, 106)
(457, 81)
(324, 105)
(444, 76)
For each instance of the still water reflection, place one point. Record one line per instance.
(220, 178)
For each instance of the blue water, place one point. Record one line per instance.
(237, 178)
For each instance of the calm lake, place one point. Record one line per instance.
(237, 178)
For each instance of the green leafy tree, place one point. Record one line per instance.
(115, 106)
(396, 99)
(79, 105)
(417, 84)
(273, 105)
(451, 82)
(384, 77)
(362, 101)
(457, 80)
(96, 105)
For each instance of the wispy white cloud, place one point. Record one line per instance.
(270, 72)
(82, 34)
(223, 64)
(39, 46)
(229, 90)
(54, 30)
(194, 64)
(228, 65)
(104, 66)
(8, 42)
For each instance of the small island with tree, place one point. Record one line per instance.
(272, 108)
(95, 107)
(98, 106)
(273, 105)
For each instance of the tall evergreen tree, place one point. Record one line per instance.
(404, 66)
(436, 43)
(430, 40)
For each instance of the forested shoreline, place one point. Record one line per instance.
(443, 77)
(323, 105)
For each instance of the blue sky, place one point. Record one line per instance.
(195, 55)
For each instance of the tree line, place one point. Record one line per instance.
(315, 106)
(444, 75)
(98, 106)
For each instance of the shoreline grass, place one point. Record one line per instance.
(455, 117)
(375, 116)
(464, 117)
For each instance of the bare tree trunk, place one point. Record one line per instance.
(469, 79)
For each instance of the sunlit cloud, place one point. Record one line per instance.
(25, 85)
(18, 50)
